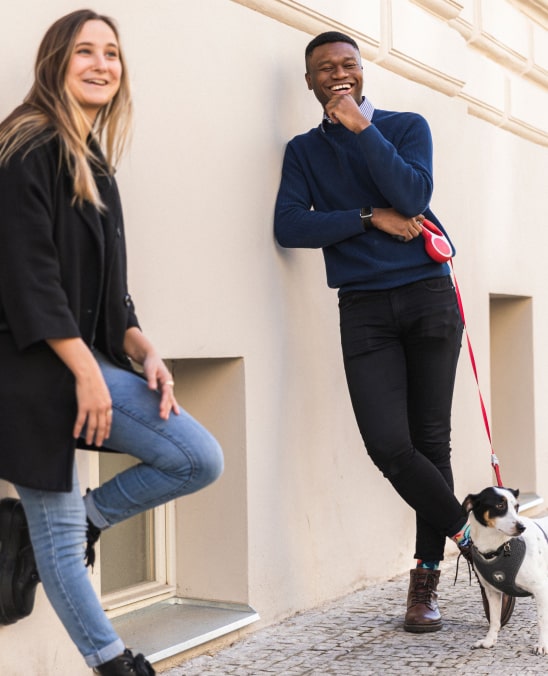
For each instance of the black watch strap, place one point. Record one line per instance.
(366, 214)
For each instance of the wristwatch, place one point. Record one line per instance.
(366, 214)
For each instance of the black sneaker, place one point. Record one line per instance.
(126, 664)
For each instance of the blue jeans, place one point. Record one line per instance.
(178, 457)
(400, 349)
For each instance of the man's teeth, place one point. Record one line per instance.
(338, 88)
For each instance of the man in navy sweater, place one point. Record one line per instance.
(358, 187)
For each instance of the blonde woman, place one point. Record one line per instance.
(68, 331)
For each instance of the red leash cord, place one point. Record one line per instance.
(440, 250)
(494, 459)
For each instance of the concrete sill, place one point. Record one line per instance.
(170, 627)
(530, 502)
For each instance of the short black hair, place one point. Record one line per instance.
(326, 38)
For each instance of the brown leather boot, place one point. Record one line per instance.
(422, 602)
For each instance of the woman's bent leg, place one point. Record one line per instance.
(179, 456)
(57, 526)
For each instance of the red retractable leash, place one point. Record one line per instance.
(439, 249)
(435, 242)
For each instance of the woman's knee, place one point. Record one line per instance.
(197, 462)
(209, 458)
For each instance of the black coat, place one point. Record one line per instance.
(62, 275)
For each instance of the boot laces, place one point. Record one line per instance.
(92, 535)
(142, 666)
(423, 592)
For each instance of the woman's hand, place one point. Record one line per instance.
(92, 395)
(159, 378)
(393, 223)
(94, 408)
(141, 350)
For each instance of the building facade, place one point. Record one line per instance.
(251, 330)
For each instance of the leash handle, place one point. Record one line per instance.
(435, 242)
(494, 459)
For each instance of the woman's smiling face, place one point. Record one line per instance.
(94, 71)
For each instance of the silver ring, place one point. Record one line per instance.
(169, 382)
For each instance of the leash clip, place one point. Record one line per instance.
(507, 549)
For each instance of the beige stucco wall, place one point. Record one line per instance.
(219, 89)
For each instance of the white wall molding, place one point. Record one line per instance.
(492, 48)
(496, 51)
(500, 119)
(465, 28)
(525, 130)
(537, 10)
(303, 18)
(499, 52)
(443, 9)
(419, 72)
(537, 75)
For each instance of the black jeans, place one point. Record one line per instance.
(400, 349)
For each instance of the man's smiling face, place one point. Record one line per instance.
(335, 69)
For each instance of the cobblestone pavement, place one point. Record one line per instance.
(362, 635)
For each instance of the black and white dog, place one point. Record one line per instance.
(510, 555)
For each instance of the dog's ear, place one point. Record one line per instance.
(514, 491)
(468, 504)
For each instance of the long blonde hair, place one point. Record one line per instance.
(49, 110)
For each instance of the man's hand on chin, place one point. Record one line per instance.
(343, 109)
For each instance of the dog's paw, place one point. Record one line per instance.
(540, 650)
(484, 643)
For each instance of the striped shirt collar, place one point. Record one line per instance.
(366, 108)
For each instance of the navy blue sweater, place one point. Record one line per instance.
(329, 173)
